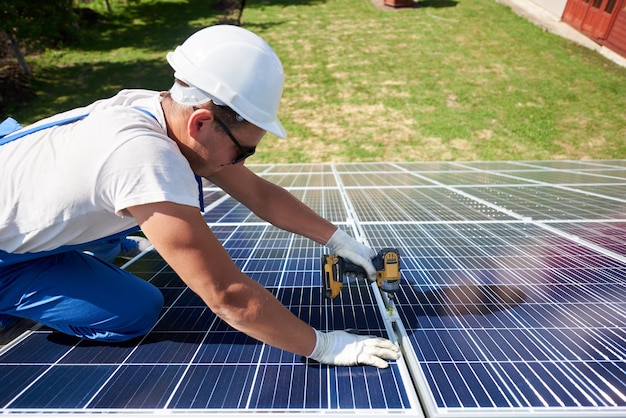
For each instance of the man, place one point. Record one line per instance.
(85, 178)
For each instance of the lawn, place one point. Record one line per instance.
(448, 80)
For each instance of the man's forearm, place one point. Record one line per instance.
(286, 212)
(273, 203)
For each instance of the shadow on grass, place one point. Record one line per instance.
(161, 26)
(63, 88)
(148, 26)
(151, 29)
(436, 4)
(417, 4)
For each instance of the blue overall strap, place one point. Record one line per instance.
(12, 125)
(8, 126)
(146, 112)
(200, 192)
(11, 138)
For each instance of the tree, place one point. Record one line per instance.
(37, 23)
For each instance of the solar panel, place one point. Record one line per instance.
(513, 303)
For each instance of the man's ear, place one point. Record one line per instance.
(197, 122)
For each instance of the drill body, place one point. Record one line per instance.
(386, 263)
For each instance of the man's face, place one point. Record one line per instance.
(224, 147)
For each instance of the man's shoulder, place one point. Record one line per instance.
(127, 121)
(129, 104)
(127, 97)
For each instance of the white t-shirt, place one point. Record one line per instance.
(71, 184)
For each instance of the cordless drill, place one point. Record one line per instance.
(386, 263)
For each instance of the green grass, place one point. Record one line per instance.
(466, 80)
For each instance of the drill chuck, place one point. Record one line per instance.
(388, 275)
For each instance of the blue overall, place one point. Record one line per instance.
(73, 292)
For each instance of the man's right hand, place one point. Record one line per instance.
(345, 246)
(341, 348)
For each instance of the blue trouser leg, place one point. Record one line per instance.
(80, 295)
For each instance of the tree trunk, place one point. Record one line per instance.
(18, 53)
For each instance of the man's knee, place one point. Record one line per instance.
(152, 306)
(135, 315)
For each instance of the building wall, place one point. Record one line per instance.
(617, 37)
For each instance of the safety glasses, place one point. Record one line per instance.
(244, 152)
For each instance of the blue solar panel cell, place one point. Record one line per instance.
(472, 178)
(551, 203)
(348, 389)
(90, 352)
(488, 166)
(312, 180)
(215, 387)
(170, 347)
(211, 194)
(382, 179)
(64, 386)
(562, 165)
(228, 347)
(186, 319)
(366, 167)
(14, 378)
(277, 384)
(569, 177)
(222, 209)
(607, 235)
(298, 168)
(327, 202)
(138, 386)
(39, 348)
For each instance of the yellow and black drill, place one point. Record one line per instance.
(386, 263)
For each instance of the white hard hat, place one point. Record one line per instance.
(233, 67)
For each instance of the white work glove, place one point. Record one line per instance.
(344, 349)
(345, 246)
